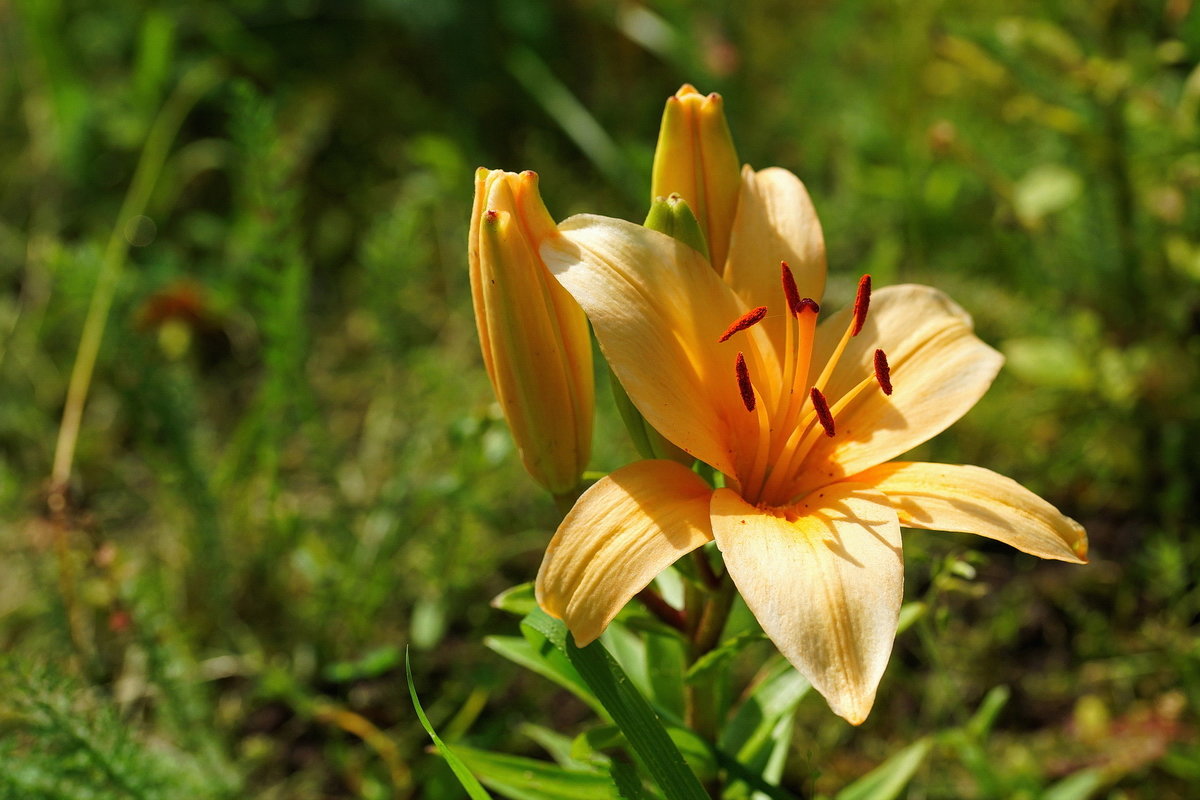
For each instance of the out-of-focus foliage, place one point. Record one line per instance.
(290, 465)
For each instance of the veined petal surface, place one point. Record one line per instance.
(775, 222)
(939, 370)
(657, 310)
(622, 532)
(949, 497)
(825, 579)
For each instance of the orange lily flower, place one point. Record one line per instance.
(801, 419)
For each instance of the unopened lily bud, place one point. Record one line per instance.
(534, 336)
(695, 158)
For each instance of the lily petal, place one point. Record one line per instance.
(825, 579)
(775, 222)
(948, 497)
(657, 309)
(622, 532)
(939, 370)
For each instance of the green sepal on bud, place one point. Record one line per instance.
(674, 217)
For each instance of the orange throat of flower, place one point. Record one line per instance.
(789, 424)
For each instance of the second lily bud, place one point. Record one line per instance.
(534, 336)
(695, 159)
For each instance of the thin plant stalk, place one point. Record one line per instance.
(194, 85)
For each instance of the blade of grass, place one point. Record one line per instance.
(194, 85)
(474, 789)
(572, 116)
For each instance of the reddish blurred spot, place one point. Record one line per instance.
(182, 300)
(120, 621)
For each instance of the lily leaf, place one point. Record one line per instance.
(772, 698)
(985, 716)
(721, 654)
(643, 729)
(888, 780)
(1080, 786)
(474, 790)
(517, 599)
(530, 779)
(556, 744)
(910, 613)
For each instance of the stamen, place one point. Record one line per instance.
(808, 304)
(862, 301)
(821, 406)
(747, 320)
(789, 288)
(883, 373)
(744, 385)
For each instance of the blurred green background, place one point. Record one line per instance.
(290, 466)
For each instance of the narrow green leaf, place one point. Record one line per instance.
(572, 116)
(888, 780)
(556, 744)
(910, 613)
(626, 779)
(474, 790)
(721, 654)
(629, 651)
(1080, 786)
(629, 710)
(759, 734)
(985, 716)
(665, 656)
(529, 779)
(517, 599)
(594, 741)
(775, 696)
(371, 665)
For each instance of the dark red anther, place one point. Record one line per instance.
(883, 373)
(822, 408)
(862, 301)
(789, 288)
(749, 319)
(743, 379)
(808, 304)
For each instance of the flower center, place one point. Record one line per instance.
(792, 424)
